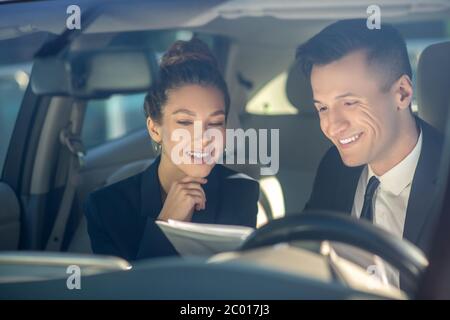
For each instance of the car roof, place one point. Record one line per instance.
(221, 16)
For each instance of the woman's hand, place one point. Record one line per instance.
(183, 197)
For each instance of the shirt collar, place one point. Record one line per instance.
(400, 176)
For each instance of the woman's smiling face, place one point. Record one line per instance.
(355, 113)
(192, 128)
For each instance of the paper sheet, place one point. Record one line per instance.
(198, 239)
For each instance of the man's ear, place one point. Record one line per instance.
(403, 91)
(154, 129)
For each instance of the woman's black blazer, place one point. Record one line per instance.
(121, 217)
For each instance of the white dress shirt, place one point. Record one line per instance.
(392, 195)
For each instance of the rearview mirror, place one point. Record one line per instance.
(92, 74)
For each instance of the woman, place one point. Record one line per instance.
(184, 183)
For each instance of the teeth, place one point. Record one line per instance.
(351, 139)
(197, 154)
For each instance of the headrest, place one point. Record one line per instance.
(433, 84)
(298, 90)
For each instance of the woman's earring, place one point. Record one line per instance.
(157, 146)
(224, 155)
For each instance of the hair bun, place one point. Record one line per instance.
(192, 50)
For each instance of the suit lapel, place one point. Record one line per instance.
(423, 189)
(151, 203)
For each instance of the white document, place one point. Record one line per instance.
(198, 239)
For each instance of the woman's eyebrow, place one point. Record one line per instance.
(189, 112)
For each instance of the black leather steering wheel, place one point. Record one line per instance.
(319, 225)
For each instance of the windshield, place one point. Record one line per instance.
(304, 138)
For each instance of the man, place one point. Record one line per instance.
(384, 163)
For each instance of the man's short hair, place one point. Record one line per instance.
(385, 48)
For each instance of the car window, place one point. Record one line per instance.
(13, 83)
(271, 99)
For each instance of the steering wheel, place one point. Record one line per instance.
(320, 225)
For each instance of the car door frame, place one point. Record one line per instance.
(21, 150)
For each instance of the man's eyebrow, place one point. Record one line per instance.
(218, 112)
(345, 95)
(189, 112)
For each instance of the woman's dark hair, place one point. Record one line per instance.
(385, 48)
(185, 63)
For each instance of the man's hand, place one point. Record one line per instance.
(183, 197)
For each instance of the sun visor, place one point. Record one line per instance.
(92, 74)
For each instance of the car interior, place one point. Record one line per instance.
(69, 122)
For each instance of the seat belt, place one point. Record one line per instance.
(76, 149)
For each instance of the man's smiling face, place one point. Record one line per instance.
(358, 116)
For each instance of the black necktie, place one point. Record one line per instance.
(367, 211)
